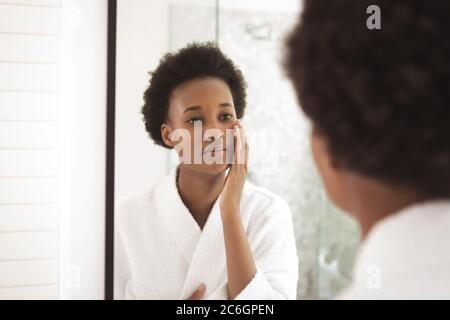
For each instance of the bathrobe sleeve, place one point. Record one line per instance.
(122, 270)
(271, 237)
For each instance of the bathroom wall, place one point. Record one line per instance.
(142, 38)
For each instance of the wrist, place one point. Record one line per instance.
(230, 215)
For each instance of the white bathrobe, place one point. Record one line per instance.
(161, 252)
(405, 256)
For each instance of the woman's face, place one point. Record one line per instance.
(332, 177)
(202, 108)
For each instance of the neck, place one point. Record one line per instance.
(371, 201)
(199, 191)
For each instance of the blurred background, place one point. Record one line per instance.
(53, 106)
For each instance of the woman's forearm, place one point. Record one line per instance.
(240, 264)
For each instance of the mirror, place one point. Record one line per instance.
(251, 35)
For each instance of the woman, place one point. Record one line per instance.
(378, 101)
(204, 232)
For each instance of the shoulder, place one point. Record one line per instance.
(131, 206)
(133, 200)
(265, 202)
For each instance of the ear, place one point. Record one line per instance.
(166, 133)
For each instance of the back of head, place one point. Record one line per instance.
(380, 97)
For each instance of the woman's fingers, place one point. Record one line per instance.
(198, 294)
(241, 145)
(238, 145)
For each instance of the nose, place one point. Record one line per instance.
(213, 136)
(214, 132)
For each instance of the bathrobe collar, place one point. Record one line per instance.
(179, 220)
(203, 249)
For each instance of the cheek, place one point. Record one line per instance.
(316, 153)
(228, 133)
(327, 172)
(183, 139)
(329, 180)
(191, 145)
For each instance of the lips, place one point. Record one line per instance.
(211, 150)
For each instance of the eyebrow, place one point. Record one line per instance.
(194, 108)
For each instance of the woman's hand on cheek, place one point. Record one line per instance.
(230, 196)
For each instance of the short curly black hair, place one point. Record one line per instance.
(196, 60)
(380, 98)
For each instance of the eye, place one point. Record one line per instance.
(226, 117)
(194, 120)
